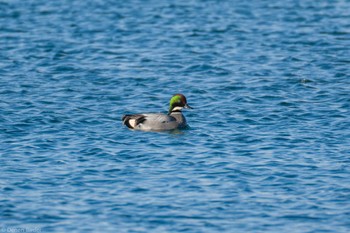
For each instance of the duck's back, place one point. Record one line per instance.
(151, 122)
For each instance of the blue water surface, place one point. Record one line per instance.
(268, 149)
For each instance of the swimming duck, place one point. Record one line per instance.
(159, 121)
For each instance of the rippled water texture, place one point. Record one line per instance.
(269, 145)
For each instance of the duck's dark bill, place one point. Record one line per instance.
(188, 106)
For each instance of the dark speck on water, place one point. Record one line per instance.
(268, 148)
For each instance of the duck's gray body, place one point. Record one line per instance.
(155, 121)
(159, 121)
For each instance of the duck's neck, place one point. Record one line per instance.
(175, 110)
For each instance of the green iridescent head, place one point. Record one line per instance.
(177, 103)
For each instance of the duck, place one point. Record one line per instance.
(174, 119)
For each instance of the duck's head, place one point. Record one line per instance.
(177, 103)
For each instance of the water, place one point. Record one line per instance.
(269, 144)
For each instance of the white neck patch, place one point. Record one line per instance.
(177, 108)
